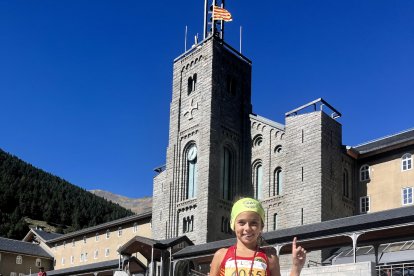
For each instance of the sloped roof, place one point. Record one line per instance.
(92, 229)
(46, 235)
(21, 247)
(406, 136)
(96, 267)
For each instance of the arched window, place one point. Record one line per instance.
(278, 149)
(257, 140)
(227, 189)
(191, 157)
(406, 162)
(364, 173)
(191, 84)
(258, 180)
(345, 184)
(277, 182)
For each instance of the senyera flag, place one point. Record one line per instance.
(221, 14)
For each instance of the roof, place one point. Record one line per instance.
(21, 247)
(267, 121)
(146, 215)
(46, 235)
(404, 137)
(135, 266)
(378, 226)
(151, 248)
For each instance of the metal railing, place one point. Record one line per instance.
(399, 269)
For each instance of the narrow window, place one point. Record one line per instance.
(119, 231)
(106, 252)
(190, 85)
(194, 82)
(84, 239)
(108, 233)
(73, 242)
(184, 225)
(135, 227)
(95, 255)
(258, 180)
(303, 136)
(19, 260)
(191, 172)
(278, 182)
(301, 217)
(364, 173)
(231, 86)
(302, 174)
(407, 196)
(226, 185)
(364, 204)
(275, 222)
(406, 162)
(345, 184)
(72, 259)
(63, 261)
(97, 237)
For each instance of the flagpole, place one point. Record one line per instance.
(223, 5)
(205, 19)
(213, 24)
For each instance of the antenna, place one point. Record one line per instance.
(185, 39)
(241, 28)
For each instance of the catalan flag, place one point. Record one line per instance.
(221, 14)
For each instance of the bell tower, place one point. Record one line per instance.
(209, 149)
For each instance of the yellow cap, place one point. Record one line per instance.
(244, 205)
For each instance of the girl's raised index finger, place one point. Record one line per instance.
(294, 243)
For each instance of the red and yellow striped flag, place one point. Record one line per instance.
(221, 14)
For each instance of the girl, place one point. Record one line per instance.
(246, 258)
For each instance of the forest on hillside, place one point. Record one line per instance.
(26, 191)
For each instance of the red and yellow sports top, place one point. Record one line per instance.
(244, 264)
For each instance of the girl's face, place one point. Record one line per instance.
(248, 227)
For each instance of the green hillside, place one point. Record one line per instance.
(26, 191)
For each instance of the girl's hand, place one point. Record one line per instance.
(298, 257)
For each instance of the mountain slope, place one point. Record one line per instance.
(26, 191)
(136, 205)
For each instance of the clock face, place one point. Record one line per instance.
(192, 153)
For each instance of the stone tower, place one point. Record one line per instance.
(209, 150)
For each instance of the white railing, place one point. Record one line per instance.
(400, 269)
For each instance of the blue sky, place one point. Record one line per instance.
(85, 86)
